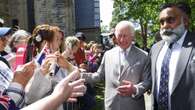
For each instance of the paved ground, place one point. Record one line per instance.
(148, 102)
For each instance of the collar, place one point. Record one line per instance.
(126, 50)
(181, 40)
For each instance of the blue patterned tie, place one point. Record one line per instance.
(163, 95)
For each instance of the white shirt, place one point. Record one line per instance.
(122, 55)
(176, 50)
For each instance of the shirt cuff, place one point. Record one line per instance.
(16, 85)
(136, 92)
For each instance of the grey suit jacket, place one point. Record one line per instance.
(183, 92)
(137, 71)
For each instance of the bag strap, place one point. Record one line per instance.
(5, 61)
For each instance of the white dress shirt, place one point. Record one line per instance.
(176, 50)
(122, 54)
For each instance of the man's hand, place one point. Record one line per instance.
(126, 88)
(79, 90)
(68, 89)
(24, 73)
(65, 90)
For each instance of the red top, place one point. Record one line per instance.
(79, 56)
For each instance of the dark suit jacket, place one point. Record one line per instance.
(183, 92)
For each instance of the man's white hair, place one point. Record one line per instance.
(126, 24)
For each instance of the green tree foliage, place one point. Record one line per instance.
(104, 29)
(145, 13)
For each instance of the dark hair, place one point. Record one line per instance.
(15, 22)
(166, 5)
(184, 7)
(80, 36)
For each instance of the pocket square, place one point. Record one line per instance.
(193, 59)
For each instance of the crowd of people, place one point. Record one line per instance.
(47, 71)
(35, 66)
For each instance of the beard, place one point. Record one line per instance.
(172, 35)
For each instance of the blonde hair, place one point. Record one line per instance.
(71, 41)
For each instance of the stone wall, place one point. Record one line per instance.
(4, 9)
(14, 9)
(56, 12)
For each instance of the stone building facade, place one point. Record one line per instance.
(87, 15)
(11, 10)
(56, 12)
(30, 13)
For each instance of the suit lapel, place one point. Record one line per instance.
(183, 60)
(130, 60)
(115, 55)
(155, 52)
(118, 62)
(116, 71)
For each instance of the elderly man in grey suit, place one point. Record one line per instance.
(173, 61)
(126, 70)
